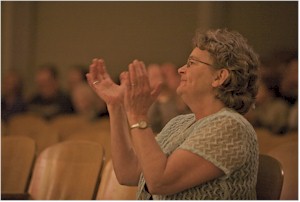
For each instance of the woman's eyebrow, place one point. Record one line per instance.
(191, 57)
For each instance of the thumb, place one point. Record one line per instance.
(124, 78)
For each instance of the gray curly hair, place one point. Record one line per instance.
(229, 50)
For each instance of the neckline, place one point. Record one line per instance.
(211, 115)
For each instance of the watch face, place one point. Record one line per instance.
(143, 124)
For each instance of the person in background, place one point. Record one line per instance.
(274, 67)
(76, 75)
(166, 106)
(211, 153)
(12, 100)
(169, 70)
(270, 111)
(172, 79)
(289, 90)
(87, 103)
(50, 100)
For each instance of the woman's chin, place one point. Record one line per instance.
(179, 90)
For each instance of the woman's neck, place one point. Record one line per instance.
(206, 107)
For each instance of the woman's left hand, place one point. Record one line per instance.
(139, 96)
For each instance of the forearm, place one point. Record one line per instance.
(151, 158)
(125, 161)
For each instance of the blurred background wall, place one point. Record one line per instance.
(68, 33)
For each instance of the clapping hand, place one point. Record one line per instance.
(139, 95)
(134, 92)
(101, 82)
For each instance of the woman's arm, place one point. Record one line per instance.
(124, 159)
(168, 175)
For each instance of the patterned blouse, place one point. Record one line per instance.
(227, 140)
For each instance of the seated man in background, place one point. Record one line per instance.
(49, 100)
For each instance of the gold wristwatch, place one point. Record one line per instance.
(140, 125)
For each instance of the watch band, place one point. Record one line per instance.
(140, 125)
(136, 125)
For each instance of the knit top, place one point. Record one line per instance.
(227, 140)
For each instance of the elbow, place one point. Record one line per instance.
(163, 186)
(154, 191)
(126, 181)
(157, 185)
(123, 181)
(158, 189)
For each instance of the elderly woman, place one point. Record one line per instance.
(211, 153)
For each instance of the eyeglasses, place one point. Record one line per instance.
(192, 60)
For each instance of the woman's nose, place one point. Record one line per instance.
(181, 70)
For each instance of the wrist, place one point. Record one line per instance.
(115, 108)
(133, 119)
(140, 125)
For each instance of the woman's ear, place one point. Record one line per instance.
(220, 77)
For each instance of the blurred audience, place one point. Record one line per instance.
(172, 78)
(49, 100)
(12, 100)
(86, 103)
(293, 118)
(76, 75)
(276, 105)
(168, 104)
(277, 99)
(289, 82)
(289, 90)
(273, 69)
(171, 75)
(270, 112)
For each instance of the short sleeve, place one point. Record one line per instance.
(220, 141)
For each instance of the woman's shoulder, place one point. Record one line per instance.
(228, 117)
(179, 121)
(183, 118)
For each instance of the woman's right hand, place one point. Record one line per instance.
(101, 82)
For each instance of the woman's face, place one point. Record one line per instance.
(197, 75)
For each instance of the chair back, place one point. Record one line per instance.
(69, 170)
(269, 178)
(287, 154)
(25, 124)
(67, 124)
(17, 157)
(35, 127)
(99, 136)
(110, 189)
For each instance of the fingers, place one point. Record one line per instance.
(137, 73)
(93, 70)
(89, 79)
(124, 79)
(132, 74)
(136, 76)
(97, 72)
(91, 76)
(102, 74)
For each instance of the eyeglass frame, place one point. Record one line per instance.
(197, 60)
